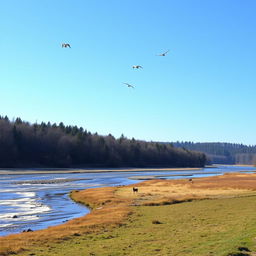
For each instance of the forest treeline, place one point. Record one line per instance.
(56, 145)
(223, 153)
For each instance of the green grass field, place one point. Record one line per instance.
(218, 227)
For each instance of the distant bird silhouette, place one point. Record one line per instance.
(137, 66)
(129, 85)
(163, 54)
(66, 45)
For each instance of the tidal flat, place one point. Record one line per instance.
(209, 216)
(39, 200)
(21, 171)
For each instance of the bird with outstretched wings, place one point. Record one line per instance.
(163, 54)
(129, 85)
(137, 66)
(64, 45)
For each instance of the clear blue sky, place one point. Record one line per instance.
(204, 90)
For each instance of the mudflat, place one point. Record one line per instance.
(89, 170)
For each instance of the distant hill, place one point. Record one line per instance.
(223, 153)
(57, 145)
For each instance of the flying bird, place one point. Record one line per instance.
(129, 85)
(137, 66)
(163, 54)
(66, 45)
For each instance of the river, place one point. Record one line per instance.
(37, 201)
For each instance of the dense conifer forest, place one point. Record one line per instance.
(223, 153)
(55, 145)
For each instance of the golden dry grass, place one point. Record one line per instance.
(112, 205)
(108, 211)
(157, 192)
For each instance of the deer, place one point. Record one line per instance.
(135, 190)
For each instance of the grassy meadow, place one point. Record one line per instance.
(208, 216)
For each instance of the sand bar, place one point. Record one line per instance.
(89, 170)
(53, 181)
(152, 177)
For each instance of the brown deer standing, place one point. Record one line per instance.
(135, 190)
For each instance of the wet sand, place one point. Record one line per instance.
(70, 170)
(152, 177)
(53, 181)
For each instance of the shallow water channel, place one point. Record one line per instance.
(37, 201)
